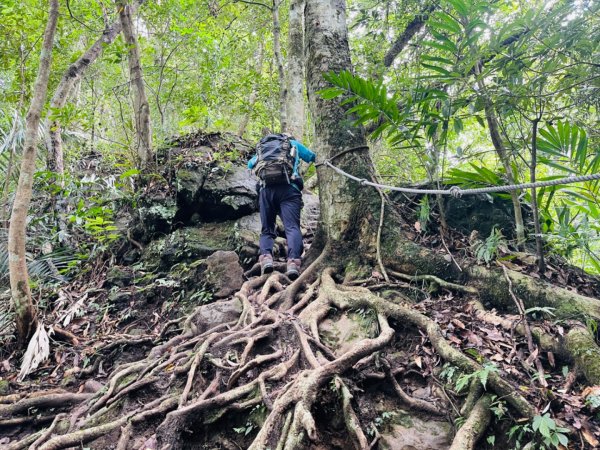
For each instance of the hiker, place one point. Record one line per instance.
(280, 193)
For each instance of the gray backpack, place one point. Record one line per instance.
(275, 160)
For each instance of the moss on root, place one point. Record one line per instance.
(566, 304)
(581, 345)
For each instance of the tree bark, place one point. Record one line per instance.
(141, 108)
(254, 94)
(55, 159)
(19, 277)
(295, 82)
(349, 211)
(413, 27)
(534, 204)
(492, 121)
(283, 122)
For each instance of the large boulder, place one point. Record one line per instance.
(216, 193)
(189, 244)
(480, 212)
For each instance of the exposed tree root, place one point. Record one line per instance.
(272, 354)
(436, 282)
(412, 402)
(350, 418)
(585, 352)
(479, 419)
(43, 402)
(533, 292)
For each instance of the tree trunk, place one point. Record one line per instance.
(492, 121)
(55, 159)
(283, 122)
(505, 160)
(534, 205)
(295, 91)
(254, 94)
(141, 109)
(413, 27)
(349, 211)
(19, 277)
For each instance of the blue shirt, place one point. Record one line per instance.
(302, 152)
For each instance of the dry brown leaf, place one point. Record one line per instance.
(454, 339)
(589, 437)
(551, 359)
(458, 323)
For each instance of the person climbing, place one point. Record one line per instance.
(280, 187)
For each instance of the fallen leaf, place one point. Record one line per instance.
(418, 226)
(419, 362)
(454, 339)
(589, 437)
(37, 352)
(458, 323)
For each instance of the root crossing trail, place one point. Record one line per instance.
(271, 359)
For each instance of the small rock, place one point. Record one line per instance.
(92, 386)
(414, 433)
(118, 276)
(224, 273)
(119, 298)
(216, 313)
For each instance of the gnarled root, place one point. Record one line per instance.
(479, 419)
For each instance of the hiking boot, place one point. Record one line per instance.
(266, 263)
(293, 268)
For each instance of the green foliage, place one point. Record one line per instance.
(542, 433)
(370, 102)
(245, 429)
(481, 375)
(553, 436)
(488, 250)
(381, 422)
(424, 213)
(368, 320)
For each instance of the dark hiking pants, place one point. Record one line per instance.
(286, 201)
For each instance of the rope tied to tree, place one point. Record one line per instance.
(456, 191)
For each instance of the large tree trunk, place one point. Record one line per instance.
(141, 108)
(283, 121)
(295, 82)
(19, 277)
(55, 159)
(348, 210)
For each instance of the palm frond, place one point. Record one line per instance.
(43, 268)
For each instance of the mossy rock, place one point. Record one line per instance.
(189, 244)
(120, 276)
(157, 215)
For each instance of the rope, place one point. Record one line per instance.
(456, 191)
